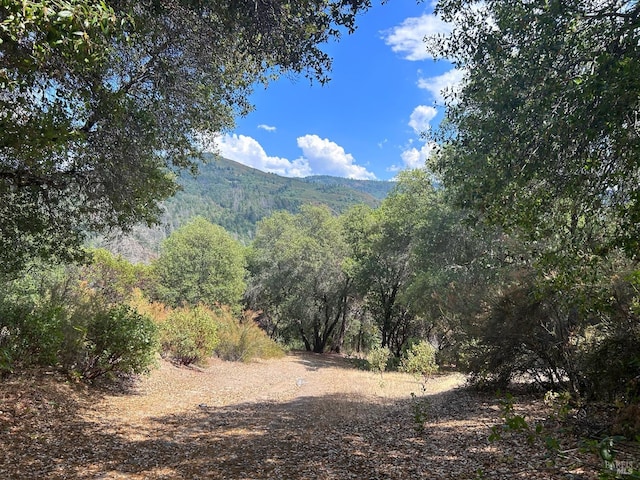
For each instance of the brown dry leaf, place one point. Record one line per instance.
(304, 416)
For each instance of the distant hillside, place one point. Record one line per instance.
(237, 197)
(376, 188)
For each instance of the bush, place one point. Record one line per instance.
(420, 360)
(524, 332)
(6, 351)
(189, 335)
(32, 319)
(378, 358)
(117, 340)
(33, 335)
(610, 361)
(82, 337)
(244, 340)
(583, 339)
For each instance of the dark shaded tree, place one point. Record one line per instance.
(103, 102)
(300, 278)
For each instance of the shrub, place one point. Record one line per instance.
(238, 339)
(610, 361)
(378, 358)
(420, 360)
(583, 338)
(6, 351)
(189, 335)
(117, 340)
(51, 318)
(244, 340)
(32, 331)
(524, 332)
(81, 337)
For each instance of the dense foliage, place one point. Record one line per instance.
(522, 263)
(300, 279)
(541, 141)
(103, 101)
(53, 319)
(200, 263)
(95, 320)
(189, 335)
(546, 118)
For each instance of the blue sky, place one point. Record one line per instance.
(366, 122)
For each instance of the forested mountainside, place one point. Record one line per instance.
(236, 197)
(376, 188)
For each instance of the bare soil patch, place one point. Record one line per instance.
(303, 416)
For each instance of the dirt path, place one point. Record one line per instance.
(304, 416)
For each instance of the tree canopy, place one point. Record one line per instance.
(201, 263)
(103, 101)
(545, 123)
(542, 141)
(299, 276)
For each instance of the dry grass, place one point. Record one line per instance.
(302, 416)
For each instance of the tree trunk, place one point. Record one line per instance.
(337, 344)
(307, 344)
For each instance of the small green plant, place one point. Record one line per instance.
(420, 408)
(559, 403)
(512, 422)
(420, 361)
(518, 423)
(378, 358)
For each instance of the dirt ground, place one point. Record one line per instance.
(301, 417)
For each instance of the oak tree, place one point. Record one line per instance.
(300, 277)
(545, 124)
(102, 103)
(201, 263)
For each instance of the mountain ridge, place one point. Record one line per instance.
(237, 197)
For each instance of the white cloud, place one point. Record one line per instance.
(319, 157)
(248, 151)
(268, 128)
(420, 118)
(408, 37)
(449, 81)
(414, 158)
(328, 158)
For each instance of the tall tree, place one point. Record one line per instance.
(300, 278)
(546, 119)
(102, 102)
(381, 241)
(454, 264)
(543, 139)
(201, 263)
